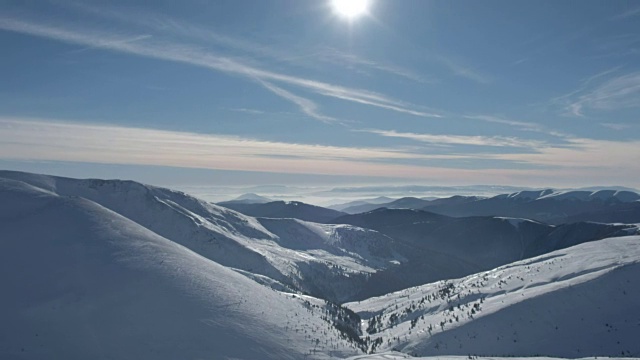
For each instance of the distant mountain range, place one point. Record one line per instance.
(547, 206)
(378, 200)
(410, 203)
(550, 206)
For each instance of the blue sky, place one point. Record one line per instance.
(528, 93)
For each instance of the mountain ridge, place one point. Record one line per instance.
(101, 285)
(285, 209)
(233, 239)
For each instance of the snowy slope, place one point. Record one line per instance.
(212, 231)
(365, 250)
(82, 282)
(580, 301)
(235, 240)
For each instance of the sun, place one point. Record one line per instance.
(350, 9)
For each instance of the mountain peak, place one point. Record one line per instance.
(249, 198)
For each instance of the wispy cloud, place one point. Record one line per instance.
(464, 71)
(616, 93)
(336, 56)
(307, 106)
(36, 139)
(107, 43)
(627, 14)
(196, 56)
(523, 125)
(617, 46)
(249, 111)
(617, 126)
(587, 81)
(579, 155)
(617, 156)
(520, 61)
(54, 140)
(191, 31)
(497, 141)
(173, 27)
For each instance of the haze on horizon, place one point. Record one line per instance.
(532, 94)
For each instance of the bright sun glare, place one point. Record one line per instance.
(350, 8)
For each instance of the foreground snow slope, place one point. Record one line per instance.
(580, 301)
(327, 269)
(82, 282)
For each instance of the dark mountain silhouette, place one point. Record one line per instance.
(285, 209)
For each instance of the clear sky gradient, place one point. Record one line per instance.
(528, 93)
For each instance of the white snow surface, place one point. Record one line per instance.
(80, 281)
(232, 239)
(356, 249)
(580, 301)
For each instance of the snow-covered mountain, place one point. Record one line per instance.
(248, 198)
(80, 281)
(548, 205)
(332, 261)
(440, 247)
(118, 269)
(285, 210)
(575, 302)
(576, 195)
(326, 265)
(545, 205)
